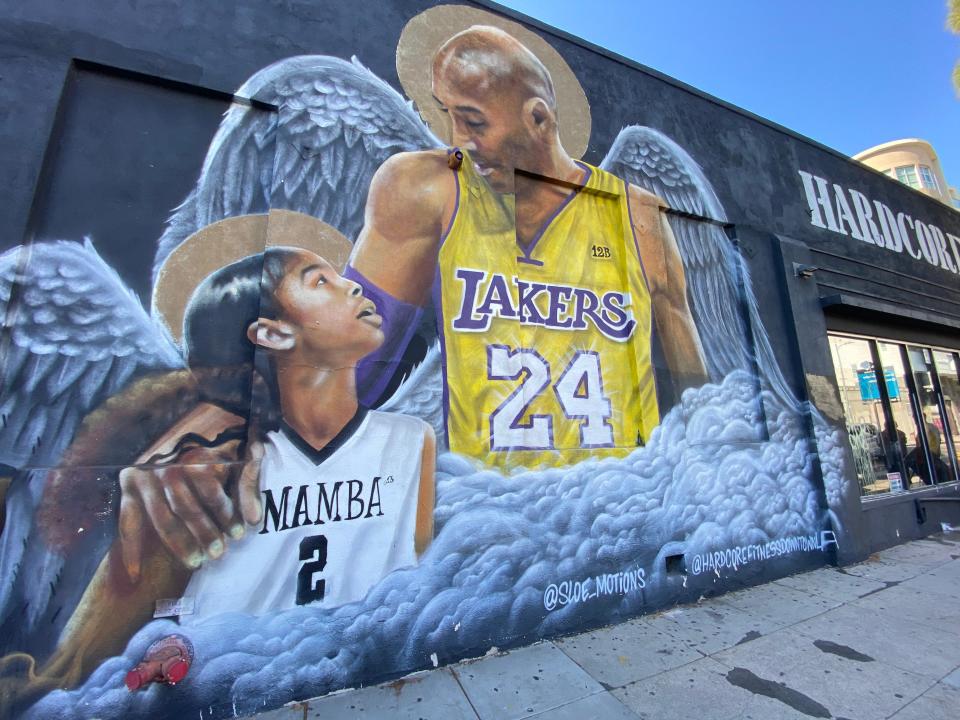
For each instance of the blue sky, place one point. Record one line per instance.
(847, 73)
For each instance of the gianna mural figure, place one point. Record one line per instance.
(348, 493)
(348, 489)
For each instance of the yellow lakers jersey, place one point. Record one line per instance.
(546, 347)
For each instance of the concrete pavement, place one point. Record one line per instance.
(876, 640)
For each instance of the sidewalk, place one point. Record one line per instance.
(876, 640)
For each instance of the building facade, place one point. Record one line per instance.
(339, 347)
(913, 162)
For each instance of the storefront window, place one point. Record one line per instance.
(900, 434)
(950, 389)
(902, 409)
(941, 466)
(859, 393)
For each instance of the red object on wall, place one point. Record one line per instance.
(168, 661)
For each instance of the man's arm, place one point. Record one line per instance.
(411, 202)
(678, 334)
(427, 495)
(170, 516)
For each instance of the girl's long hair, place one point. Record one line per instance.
(225, 369)
(231, 371)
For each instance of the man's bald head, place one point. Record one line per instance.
(485, 59)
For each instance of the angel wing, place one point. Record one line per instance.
(718, 284)
(649, 159)
(421, 395)
(73, 335)
(317, 130)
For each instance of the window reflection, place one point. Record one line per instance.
(940, 465)
(900, 433)
(950, 388)
(902, 408)
(860, 397)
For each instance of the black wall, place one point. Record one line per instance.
(90, 87)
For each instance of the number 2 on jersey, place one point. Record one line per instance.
(579, 391)
(314, 550)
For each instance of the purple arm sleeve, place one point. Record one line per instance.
(400, 321)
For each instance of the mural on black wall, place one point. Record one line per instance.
(529, 386)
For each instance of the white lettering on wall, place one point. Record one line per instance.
(848, 211)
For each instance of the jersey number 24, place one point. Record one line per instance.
(578, 389)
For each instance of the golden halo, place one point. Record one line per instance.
(428, 31)
(227, 241)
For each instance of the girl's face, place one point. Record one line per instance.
(330, 320)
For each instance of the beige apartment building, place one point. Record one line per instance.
(913, 162)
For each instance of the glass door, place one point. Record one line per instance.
(860, 396)
(946, 375)
(901, 404)
(941, 464)
(899, 435)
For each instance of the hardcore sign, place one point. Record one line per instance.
(850, 212)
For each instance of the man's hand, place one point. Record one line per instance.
(194, 504)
